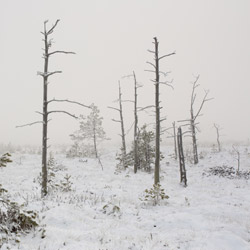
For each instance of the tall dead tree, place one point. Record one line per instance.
(193, 117)
(217, 128)
(121, 121)
(183, 176)
(135, 126)
(136, 109)
(157, 82)
(45, 113)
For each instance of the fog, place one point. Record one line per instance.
(111, 39)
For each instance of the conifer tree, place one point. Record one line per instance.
(91, 131)
(4, 159)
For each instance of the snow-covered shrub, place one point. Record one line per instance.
(111, 209)
(4, 159)
(54, 174)
(14, 219)
(123, 161)
(227, 172)
(66, 184)
(154, 195)
(145, 150)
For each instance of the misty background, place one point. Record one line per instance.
(111, 39)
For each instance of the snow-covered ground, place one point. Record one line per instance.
(104, 211)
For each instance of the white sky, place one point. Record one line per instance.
(111, 38)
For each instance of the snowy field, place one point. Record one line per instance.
(103, 210)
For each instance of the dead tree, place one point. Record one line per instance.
(217, 127)
(136, 163)
(157, 82)
(45, 113)
(183, 176)
(173, 135)
(237, 152)
(121, 121)
(193, 117)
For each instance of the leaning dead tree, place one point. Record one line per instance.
(218, 128)
(183, 176)
(157, 82)
(192, 123)
(46, 74)
(121, 121)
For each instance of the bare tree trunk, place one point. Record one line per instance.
(94, 140)
(175, 144)
(183, 176)
(121, 121)
(157, 83)
(217, 127)
(194, 140)
(45, 75)
(135, 127)
(157, 113)
(124, 151)
(194, 117)
(45, 115)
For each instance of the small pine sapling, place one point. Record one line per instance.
(154, 195)
(4, 159)
(66, 184)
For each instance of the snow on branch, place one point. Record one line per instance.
(66, 100)
(52, 28)
(47, 74)
(61, 52)
(114, 108)
(167, 55)
(62, 111)
(29, 124)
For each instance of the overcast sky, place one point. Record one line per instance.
(111, 38)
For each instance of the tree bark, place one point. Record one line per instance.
(157, 113)
(135, 127)
(44, 190)
(124, 151)
(194, 140)
(183, 176)
(175, 144)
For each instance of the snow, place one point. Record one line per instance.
(211, 213)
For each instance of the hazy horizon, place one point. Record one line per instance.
(111, 39)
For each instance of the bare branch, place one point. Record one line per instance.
(48, 73)
(61, 52)
(29, 124)
(114, 120)
(151, 51)
(151, 64)
(128, 101)
(114, 108)
(127, 76)
(187, 120)
(62, 111)
(205, 99)
(165, 73)
(66, 100)
(167, 84)
(51, 30)
(148, 70)
(40, 113)
(166, 55)
(141, 109)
